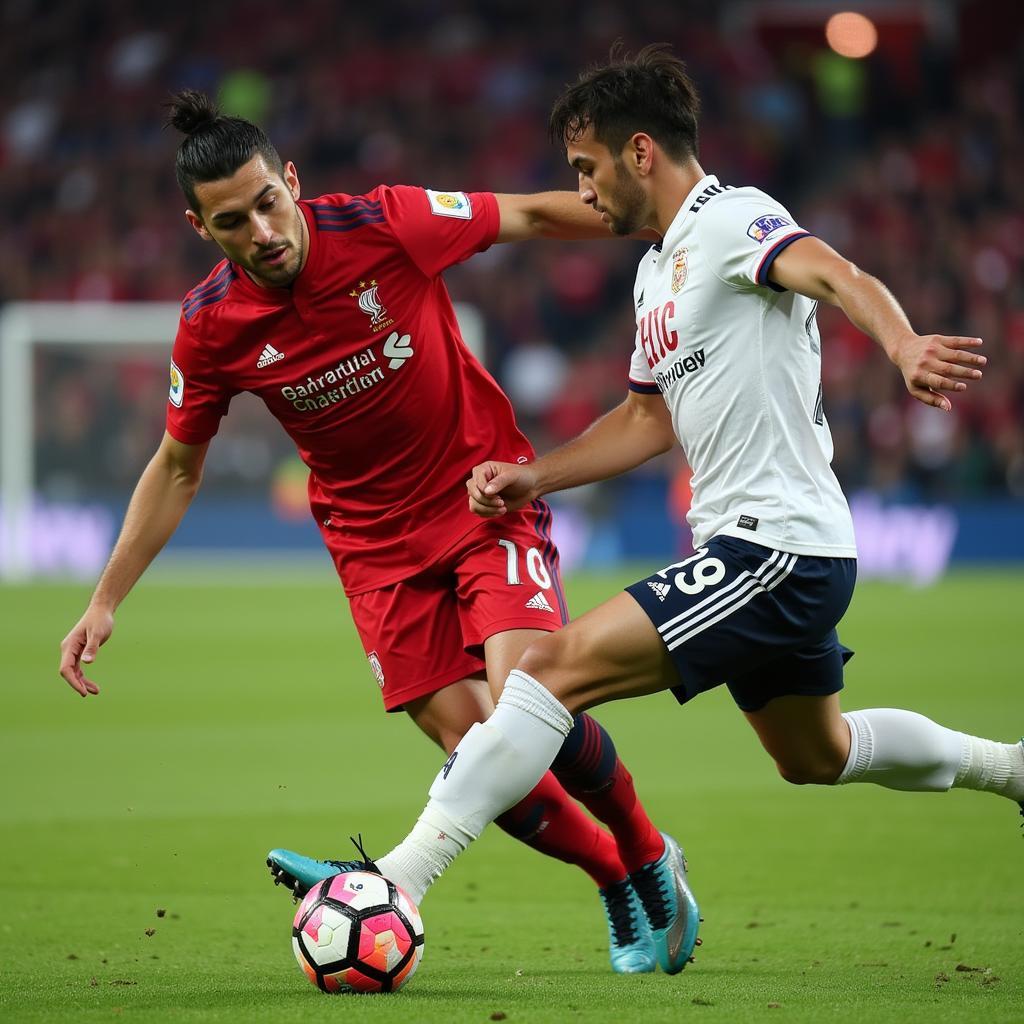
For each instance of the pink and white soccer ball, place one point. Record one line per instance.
(357, 932)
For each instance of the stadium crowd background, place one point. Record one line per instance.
(910, 162)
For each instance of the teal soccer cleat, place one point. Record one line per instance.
(630, 948)
(671, 910)
(300, 873)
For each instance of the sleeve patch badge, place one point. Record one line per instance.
(767, 225)
(450, 204)
(177, 392)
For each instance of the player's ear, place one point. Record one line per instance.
(640, 152)
(198, 226)
(291, 179)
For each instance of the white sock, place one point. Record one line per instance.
(904, 750)
(494, 766)
(991, 766)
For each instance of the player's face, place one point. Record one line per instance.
(253, 216)
(605, 182)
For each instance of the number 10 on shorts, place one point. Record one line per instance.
(535, 566)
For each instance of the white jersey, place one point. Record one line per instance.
(738, 361)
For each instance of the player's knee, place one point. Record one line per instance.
(822, 770)
(551, 660)
(544, 657)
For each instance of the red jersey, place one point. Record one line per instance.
(362, 362)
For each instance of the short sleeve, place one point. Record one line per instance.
(640, 378)
(197, 400)
(742, 233)
(440, 229)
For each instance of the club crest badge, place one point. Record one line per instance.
(370, 304)
(679, 269)
(376, 667)
(177, 393)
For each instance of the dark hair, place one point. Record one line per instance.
(649, 93)
(215, 145)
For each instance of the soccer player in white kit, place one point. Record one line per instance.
(727, 361)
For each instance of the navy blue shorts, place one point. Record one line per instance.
(759, 620)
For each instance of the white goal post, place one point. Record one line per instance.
(25, 325)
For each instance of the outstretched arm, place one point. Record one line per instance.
(930, 363)
(552, 215)
(162, 495)
(632, 433)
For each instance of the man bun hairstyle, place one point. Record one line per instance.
(650, 93)
(215, 144)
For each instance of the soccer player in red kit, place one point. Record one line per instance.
(333, 311)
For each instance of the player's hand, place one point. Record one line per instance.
(499, 487)
(80, 646)
(933, 363)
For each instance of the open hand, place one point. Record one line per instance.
(80, 646)
(933, 363)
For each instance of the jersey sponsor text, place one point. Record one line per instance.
(655, 337)
(336, 384)
(679, 369)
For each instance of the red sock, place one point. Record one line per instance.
(548, 820)
(591, 772)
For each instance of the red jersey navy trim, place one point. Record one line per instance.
(207, 294)
(769, 258)
(550, 554)
(355, 213)
(643, 387)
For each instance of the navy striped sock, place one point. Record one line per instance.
(589, 768)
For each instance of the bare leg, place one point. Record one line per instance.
(611, 653)
(813, 742)
(447, 714)
(806, 736)
(502, 652)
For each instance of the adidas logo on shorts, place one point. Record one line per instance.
(539, 602)
(661, 589)
(268, 356)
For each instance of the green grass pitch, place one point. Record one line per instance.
(237, 713)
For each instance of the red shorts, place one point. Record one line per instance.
(425, 632)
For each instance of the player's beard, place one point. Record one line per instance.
(283, 275)
(626, 205)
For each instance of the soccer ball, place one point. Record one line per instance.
(357, 932)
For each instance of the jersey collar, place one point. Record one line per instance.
(677, 221)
